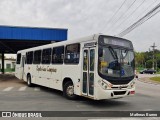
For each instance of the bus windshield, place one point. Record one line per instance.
(115, 59)
(116, 62)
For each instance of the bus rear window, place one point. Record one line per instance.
(18, 58)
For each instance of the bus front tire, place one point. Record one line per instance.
(68, 91)
(29, 83)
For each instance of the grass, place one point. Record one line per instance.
(155, 79)
(8, 70)
(158, 72)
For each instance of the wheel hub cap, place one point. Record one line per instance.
(70, 90)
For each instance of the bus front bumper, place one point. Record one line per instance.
(114, 93)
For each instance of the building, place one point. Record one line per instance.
(15, 38)
(9, 64)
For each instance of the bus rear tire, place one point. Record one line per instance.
(29, 83)
(68, 91)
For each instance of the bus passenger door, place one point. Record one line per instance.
(88, 72)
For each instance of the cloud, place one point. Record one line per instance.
(82, 18)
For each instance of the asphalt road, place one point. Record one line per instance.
(16, 96)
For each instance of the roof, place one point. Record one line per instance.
(14, 38)
(9, 59)
(32, 33)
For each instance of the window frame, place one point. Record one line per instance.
(8, 64)
(18, 61)
(26, 61)
(34, 57)
(61, 54)
(79, 50)
(43, 57)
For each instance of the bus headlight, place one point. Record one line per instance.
(131, 85)
(104, 85)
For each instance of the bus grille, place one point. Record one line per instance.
(119, 92)
(119, 82)
(119, 87)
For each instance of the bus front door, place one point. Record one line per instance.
(88, 72)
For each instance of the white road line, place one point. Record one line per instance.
(8, 89)
(147, 110)
(36, 89)
(117, 119)
(22, 88)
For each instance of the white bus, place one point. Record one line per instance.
(97, 67)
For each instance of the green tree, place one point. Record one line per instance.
(139, 59)
(145, 59)
(149, 63)
(157, 59)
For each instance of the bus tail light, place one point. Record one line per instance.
(132, 92)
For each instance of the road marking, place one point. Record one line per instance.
(22, 88)
(117, 119)
(148, 110)
(36, 89)
(8, 89)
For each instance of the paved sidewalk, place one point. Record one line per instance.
(7, 77)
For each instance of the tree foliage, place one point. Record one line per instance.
(145, 59)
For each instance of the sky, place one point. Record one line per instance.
(86, 17)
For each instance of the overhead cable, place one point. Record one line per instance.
(146, 17)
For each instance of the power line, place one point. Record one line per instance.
(133, 27)
(124, 12)
(127, 17)
(146, 9)
(143, 19)
(116, 12)
(146, 17)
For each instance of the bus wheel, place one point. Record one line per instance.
(68, 91)
(29, 81)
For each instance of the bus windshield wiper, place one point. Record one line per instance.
(113, 53)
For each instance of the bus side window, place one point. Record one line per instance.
(29, 57)
(58, 55)
(37, 57)
(72, 53)
(46, 56)
(18, 59)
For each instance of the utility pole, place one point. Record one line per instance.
(153, 47)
